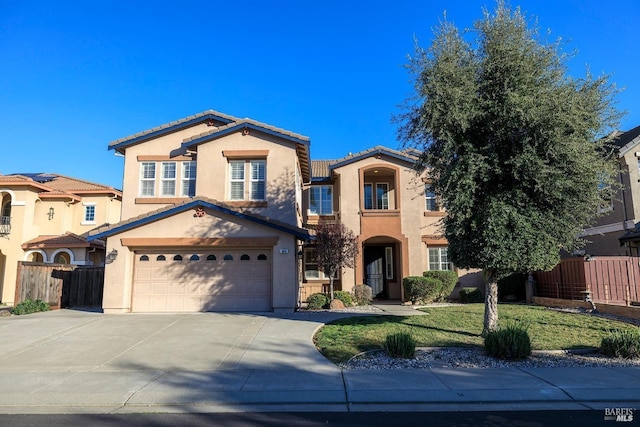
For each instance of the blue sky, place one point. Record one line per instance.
(75, 76)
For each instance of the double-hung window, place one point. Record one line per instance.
(236, 178)
(439, 259)
(168, 183)
(431, 203)
(254, 180)
(321, 200)
(258, 175)
(189, 179)
(312, 270)
(147, 179)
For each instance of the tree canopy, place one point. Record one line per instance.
(512, 144)
(336, 247)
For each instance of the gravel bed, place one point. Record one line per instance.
(475, 358)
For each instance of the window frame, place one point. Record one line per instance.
(146, 167)
(320, 274)
(321, 200)
(236, 180)
(440, 257)
(430, 199)
(167, 169)
(259, 180)
(188, 178)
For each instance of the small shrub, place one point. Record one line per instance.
(421, 289)
(512, 288)
(317, 301)
(621, 343)
(362, 294)
(448, 280)
(345, 297)
(29, 306)
(470, 295)
(512, 342)
(400, 344)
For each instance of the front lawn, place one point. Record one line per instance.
(460, 326)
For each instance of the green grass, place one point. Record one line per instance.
(460, 326)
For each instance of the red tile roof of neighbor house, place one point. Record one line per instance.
(55, 185)
(67, 240)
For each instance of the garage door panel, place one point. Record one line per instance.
(204, 284)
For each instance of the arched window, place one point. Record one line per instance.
(144, 258)
(245, 257)
(62, 258)
(177, 258)
(211, 258)
(194, 258)
(36, 257)
(228, 257)
(161, 258)
(262, 257)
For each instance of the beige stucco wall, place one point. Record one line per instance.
(119, 274)
(212, 170)
(30, 219)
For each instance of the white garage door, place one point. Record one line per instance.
(221, 280)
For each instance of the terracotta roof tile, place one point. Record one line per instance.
(67, 240)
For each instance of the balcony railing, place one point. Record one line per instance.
(5, 225)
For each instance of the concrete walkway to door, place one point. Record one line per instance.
(80, 362)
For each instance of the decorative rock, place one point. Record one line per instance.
(336, 304)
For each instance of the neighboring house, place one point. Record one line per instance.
(615, 232)
(46, 217)
(378, 195)
(217, 213)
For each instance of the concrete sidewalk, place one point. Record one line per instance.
(77, 362)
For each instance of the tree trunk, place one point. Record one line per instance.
(331, 287)
(490, 303)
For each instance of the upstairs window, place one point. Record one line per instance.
(431, 203)
(254, 180)
(189, 179)
(168, 184)
(321, 200)
(147, 179)
(90, 213)
(378, 199)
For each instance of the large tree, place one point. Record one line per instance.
(336, 248)
(513, 145)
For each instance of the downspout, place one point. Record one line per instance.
(624, 209)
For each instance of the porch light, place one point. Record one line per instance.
(111, 256)
(50, 214)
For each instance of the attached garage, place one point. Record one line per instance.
(231, 279)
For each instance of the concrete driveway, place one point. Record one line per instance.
(66, 359)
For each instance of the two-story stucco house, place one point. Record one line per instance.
(617, 231)
(46, 217)
(218, 214)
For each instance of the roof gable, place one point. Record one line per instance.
(203, 202)
(379, 150)
(626, 141)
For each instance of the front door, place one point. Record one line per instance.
(374, 266)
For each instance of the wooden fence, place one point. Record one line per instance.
(610, 280)
(60, 285)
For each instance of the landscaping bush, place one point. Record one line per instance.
(400, 344)
(345, 297)
(448, 280)
(622, 343)
(512, 288)
(421, 289)
(470, 295)
(29, 306)
(362, 294)
(512, 342)
(317, 301)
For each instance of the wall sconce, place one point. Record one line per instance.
(300, 253)
(111, 256)
(50, 214)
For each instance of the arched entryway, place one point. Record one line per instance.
(382, 264)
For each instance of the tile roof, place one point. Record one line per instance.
(625, 140)
(58, 185)
(67, 240)
(320, 169)
(409, 156)
(171, 209)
